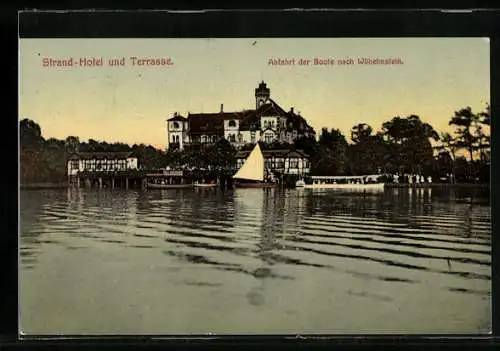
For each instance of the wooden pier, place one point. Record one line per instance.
(161, 179)
(129, 179)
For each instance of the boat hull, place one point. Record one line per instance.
(169, 186)
(254, 185)
(205, 185)
(373, 186)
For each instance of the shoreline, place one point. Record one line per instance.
(64, 185)
(437, 185)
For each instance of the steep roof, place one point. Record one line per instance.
(294, 121)
(299, 123)
(252, 119)
(212, 123)
(177, 117)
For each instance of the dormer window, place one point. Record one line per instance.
(176, 125)
(232, 123)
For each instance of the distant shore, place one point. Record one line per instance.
(437, 185)
(64, 185)
(44, 185)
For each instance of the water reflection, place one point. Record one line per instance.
(365, 246)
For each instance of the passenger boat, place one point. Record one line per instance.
(168, 186)
(205, 185)
(368, 182)
(252, 173)
(167, 179)
(300, 183)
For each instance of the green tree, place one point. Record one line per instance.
(72, 144)
(410, 145)
(30, 135)
(366, 151)
(361, 133)
(449, 146)
(465, 120)
(222, 155)
(484, 138)
(307, 144)
(331, 158)
(148, 156)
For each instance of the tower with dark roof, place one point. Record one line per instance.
(177, 131)
(262, 94)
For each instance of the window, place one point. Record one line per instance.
(74, 164)
(240, 138)
(268, 137)
(252, 137)
(280, 163)
(294, 163)
(175, 125)
(214, 138)
(272, 124)
(232, 123)
(232, 138)
(203, 139)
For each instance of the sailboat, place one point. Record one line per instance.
(251, 174)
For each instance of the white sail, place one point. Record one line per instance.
(253, 168)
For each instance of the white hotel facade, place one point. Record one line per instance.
(268, 123)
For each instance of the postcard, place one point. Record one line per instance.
(243, 186)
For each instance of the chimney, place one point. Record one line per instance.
(221, 107)
(291, 109)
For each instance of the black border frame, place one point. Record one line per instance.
(254, 24)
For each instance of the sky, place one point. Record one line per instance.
(131, 103)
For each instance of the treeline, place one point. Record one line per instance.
(403, 145)
(45, 160)
(407, 146)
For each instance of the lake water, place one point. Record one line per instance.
(255, 261)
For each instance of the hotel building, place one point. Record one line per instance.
(268, 123)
